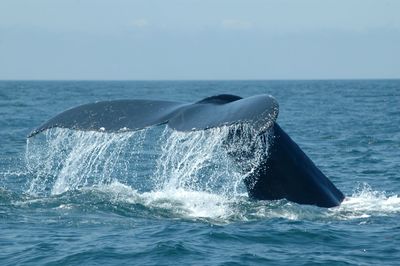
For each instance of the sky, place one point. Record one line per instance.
(199, 39)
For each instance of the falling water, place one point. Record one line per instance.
(63, 159)
(212, 161)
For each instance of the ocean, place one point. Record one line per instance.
(160, 197)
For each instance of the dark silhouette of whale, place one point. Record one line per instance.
(286, 172)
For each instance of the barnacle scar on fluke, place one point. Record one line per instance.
(285, 172)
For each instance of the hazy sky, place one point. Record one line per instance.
(204, 39)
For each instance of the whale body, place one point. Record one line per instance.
(286, 172)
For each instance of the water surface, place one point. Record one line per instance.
(158, 197)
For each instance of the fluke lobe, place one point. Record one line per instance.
(286, 172)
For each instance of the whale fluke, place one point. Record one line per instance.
(130, 115)
(285, 172)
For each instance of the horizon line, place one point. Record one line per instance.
(166, 80)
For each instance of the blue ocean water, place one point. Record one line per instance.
(156, 197)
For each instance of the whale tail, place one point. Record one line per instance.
(286, 172)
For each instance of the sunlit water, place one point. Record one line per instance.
(157, 196)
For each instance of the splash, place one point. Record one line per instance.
(203, 170)
(179, 203)
(214, 161)
(64, 160)
(196, 174)
(366, 202)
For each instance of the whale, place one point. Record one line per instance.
(285, 171)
